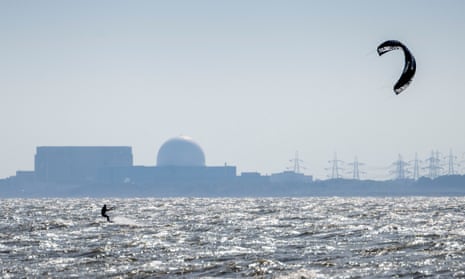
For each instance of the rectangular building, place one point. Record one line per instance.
(78, 164)
(167, 174)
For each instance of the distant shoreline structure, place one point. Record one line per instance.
(441, 186)
(108, 171)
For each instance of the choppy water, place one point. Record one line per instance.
(270, 238)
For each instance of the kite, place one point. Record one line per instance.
(409, 66)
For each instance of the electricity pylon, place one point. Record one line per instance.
(296, 162)
(416, 167)
(356, 169)
(335, 168)
(400, 170)
(452, 163)
(434, 166)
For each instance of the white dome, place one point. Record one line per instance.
(180, 151)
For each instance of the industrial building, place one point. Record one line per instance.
(179, 159)
(180, 168)
(78, 164)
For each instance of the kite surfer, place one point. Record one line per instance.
(104, 212)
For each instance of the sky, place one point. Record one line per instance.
(252, 82)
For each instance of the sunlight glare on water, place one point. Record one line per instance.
(275, 237)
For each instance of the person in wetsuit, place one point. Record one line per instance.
(104, 212)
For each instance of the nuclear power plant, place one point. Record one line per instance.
(180, 169)
(105, 170)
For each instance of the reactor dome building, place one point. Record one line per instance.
(180, 161)
(181, 152)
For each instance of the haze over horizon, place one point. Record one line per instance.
(251, 82)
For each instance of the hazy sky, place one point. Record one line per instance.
(251, 81)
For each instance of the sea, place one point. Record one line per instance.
(333, 237)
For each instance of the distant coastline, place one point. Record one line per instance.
(451, 185)
(108, 171)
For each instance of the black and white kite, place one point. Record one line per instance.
(409, 67)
